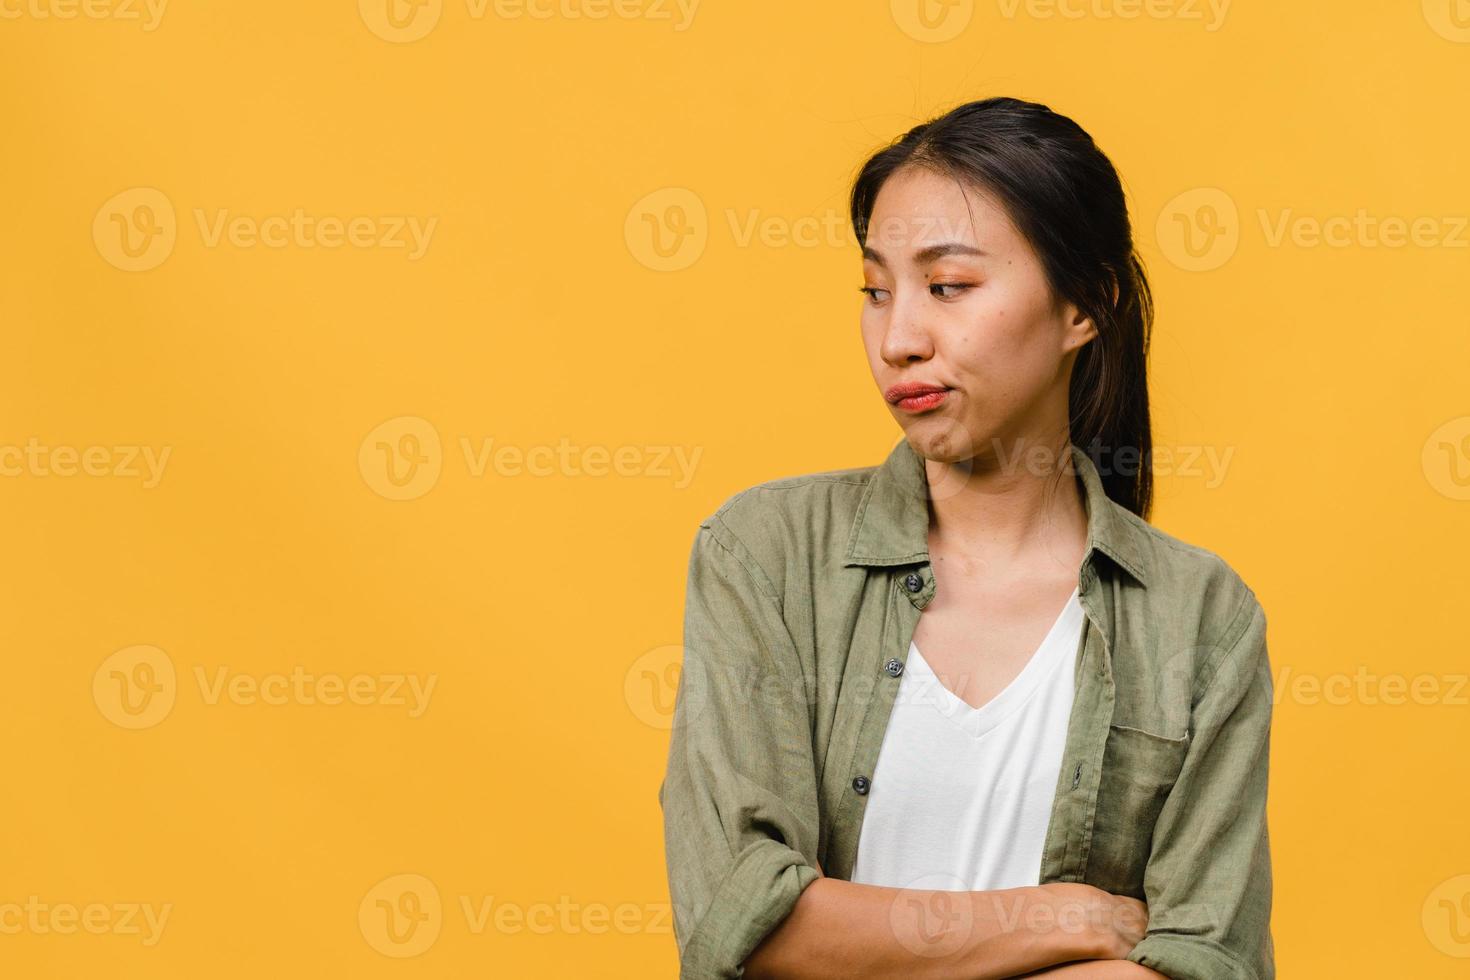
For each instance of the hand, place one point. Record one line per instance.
(1113, 924)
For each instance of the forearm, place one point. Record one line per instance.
(841, 929)
(1098, 970)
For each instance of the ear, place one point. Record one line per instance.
(1080, 329)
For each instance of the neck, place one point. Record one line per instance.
(1005, 506)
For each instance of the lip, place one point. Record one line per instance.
(916, 397)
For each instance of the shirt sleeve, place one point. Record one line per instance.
(739, 797)
(1208, 878)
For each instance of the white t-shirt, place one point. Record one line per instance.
(961, 797)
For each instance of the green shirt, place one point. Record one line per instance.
(803, 594)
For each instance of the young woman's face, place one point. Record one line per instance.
(958, 306)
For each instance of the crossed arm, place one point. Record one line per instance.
(1058, 931)
(1098, 970)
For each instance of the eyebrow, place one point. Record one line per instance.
(926, 254)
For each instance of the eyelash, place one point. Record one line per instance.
(962, 286)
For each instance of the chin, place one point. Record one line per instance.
(942, 439)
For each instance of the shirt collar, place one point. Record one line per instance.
(892, 523)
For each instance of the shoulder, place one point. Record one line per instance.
(792, 521)
(1196, 601)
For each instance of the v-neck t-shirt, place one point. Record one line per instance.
(961, 796)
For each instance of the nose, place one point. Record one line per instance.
(907, 337)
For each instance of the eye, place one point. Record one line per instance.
(872, 293)
(958, 288)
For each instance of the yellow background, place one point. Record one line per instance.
(542, 313)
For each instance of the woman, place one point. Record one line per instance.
(1059, 769)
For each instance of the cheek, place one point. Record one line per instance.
(985, 337)
(1003, 342)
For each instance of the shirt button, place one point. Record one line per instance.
(861, 784)
(894, 667)
(913, 582)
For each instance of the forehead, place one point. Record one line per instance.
(917, 206)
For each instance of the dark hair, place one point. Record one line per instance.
(1064, 196)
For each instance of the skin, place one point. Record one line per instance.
(956, 296)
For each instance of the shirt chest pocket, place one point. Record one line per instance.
(1138, 771)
